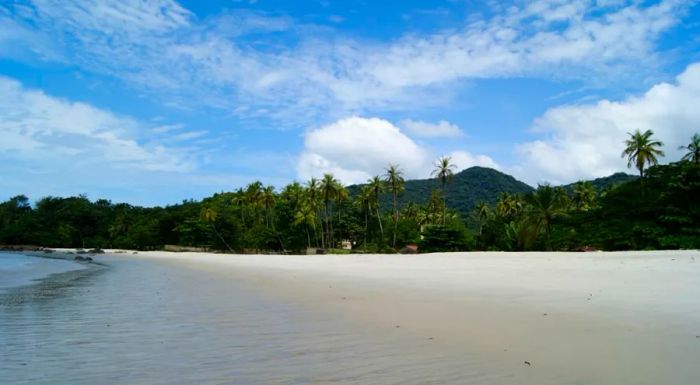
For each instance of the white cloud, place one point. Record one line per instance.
(442, 128)
(49, 132)
(355, 149)
(161, 47)
(465, 159)
(585, 141)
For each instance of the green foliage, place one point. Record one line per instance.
(452, 237)
(613, 213)
(464, 191)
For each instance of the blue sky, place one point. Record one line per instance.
(153, 102)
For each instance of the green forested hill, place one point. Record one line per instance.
(607, 182)
(467, 188)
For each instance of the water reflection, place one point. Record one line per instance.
(141, 322)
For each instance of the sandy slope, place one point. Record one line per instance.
(577, 318)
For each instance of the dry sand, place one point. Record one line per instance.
(539, 318)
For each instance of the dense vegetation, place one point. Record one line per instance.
(658, 209)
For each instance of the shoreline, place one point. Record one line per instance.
(55, 265)
(597, 317)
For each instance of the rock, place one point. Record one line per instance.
(96, 251)
(79, 258)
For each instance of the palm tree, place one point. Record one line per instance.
(328, 190)
(544, 206)
(395, 181)
(267, 201)
(312, 198)
(584, 195)
(642, 150)
(209, 215)
(377, 187)
(364, 200)
(693, 154)
(306, 215)
(483, 211)
(253, 194)
(444, 172)
(341, 195)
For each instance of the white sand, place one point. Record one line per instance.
(578, 318)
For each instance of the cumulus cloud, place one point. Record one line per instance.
(585, 141)
(464, 159)
(355, 149)
(442, 128)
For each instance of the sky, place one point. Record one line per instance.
(155, 101)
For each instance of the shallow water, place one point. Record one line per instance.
(146, 322)
(18, 269)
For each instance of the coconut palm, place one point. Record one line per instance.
(377, 187)
(583, 196)
(394, 179)
(328, 190)
(312, 198)
(341, 196)
(641, 150)
(693, 148)
(364, 200)
(306, 215)
(444, 172)
(483, 211)
(267, 201)
(544, 206)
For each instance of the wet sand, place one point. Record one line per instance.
(526, 318)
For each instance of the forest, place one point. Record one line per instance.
(659, 209)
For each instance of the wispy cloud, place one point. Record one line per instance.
(161, 47)
(50, 132)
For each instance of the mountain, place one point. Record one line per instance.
(464, 192)
(607, 182)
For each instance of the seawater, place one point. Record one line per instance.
(146, 322)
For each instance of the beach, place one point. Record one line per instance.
(625, 317)
(462, 318)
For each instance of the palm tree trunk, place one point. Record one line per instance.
(381, 228)
(366, 228)
(396, 219)
(222, 238)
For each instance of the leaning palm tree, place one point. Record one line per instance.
(377, 187)
(641, 150)
(394, 179)
(210, 215)
(444, 172)
(693, 148)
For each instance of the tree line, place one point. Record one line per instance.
(658, 210)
